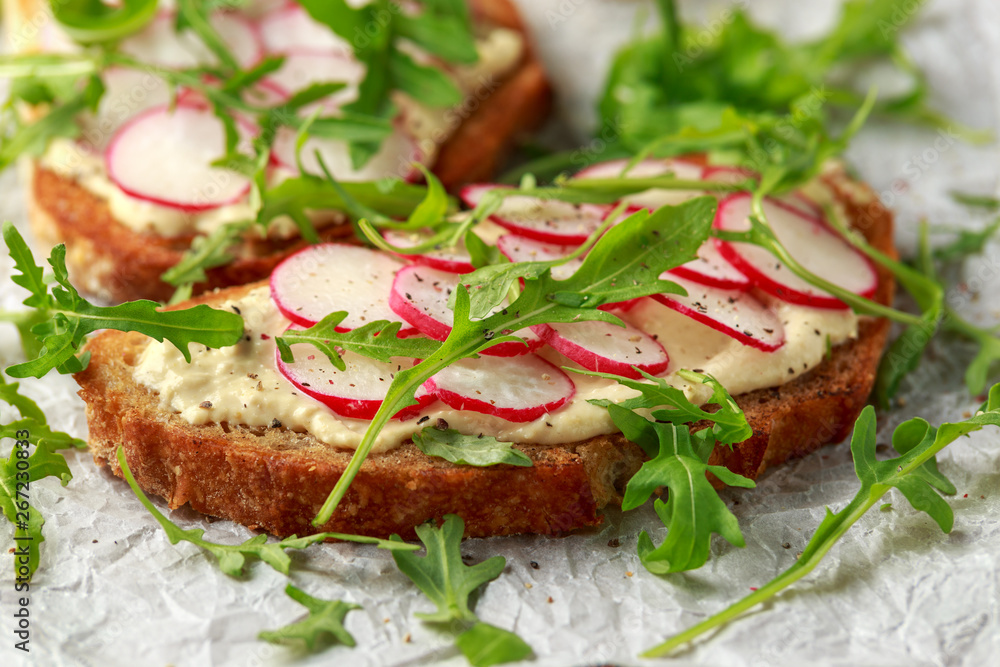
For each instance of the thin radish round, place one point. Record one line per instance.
(737, 314)
(395, 158)
(330, 277)
(547, 220)
(518, 389)
(606, 348)
(519, 248)
(159, 44)
(302, 69)
(807, 239)
(736, 175)
(655, 198)
(420, 296)
(452, 260)
(290, 28)
(357, 391)
(164, 156)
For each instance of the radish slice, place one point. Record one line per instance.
(654, 198)
(292, 29)
(395, 158)
(735, 175)
(809, 240)
(551, 221)
(420, 296)
(164, 156)
(300, 70)
(328, 277)
(606, 348)
(452, 260)
(518, 248)
(518, 389)
(357, 391)
(737, 314)
(159, 44)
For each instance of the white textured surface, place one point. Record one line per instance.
(112, 591)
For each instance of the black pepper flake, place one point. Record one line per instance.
(786, 545)
(205, 404)
(236, 310)
(441, 424)
(534, 565)
(422, 419)
(791, 371)
(275, 423)
(816, 331)
(615, 543)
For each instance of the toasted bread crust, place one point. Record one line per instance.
(113, 262)
(276, 480)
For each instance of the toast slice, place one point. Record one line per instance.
(111, 261)
(276, 480)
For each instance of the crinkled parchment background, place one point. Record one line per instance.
(112, 591)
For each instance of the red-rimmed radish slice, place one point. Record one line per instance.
(728, 174)
(452, 260)
(420, 296)
(302, 69)
(736, 175)
(606, 347)
(159, 44)
(519, 248)
(518, 389)
(547, 220)
(395, 158)
(681, 169)
(357, 391)
(290, 28)
(809, 240)
(164, 156)
(643, 169)
(329, 277)
(737, 314)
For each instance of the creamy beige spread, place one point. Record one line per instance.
(499, 49)
(243, 385)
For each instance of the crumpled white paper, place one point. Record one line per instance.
(112, 591)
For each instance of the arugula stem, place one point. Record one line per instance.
(801, 568)
(762, 235)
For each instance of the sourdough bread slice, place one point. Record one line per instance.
(113, 262)
(276, 480)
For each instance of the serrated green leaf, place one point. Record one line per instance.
(909, 473)
(206, 252)
(441, 574)
(473, 450)
(377, 340)
(69, 317)
(484, 645)
(325, 619)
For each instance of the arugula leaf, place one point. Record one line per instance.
(667, 403)
(89, 22)
(443, 28)
(471, 450)
(484, 645)
(626, 263)
(195, 16)
(21, 469)
(377, 340)
(977, 201)
(326, 618)
(441, 574)
(967, 243)
(71, 317)
(232, 558)
(206, 252)
(913, 473)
